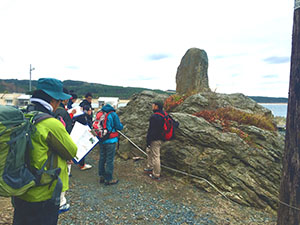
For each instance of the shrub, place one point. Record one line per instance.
(226, 116)
(173, 101)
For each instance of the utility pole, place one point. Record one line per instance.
(289, 195)
(31, 69)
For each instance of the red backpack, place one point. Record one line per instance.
(169, 126)
(100, 126)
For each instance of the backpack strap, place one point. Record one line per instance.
(39, 116)
(158, 113)
(112, 134)
(54, 173)
(105, 120)
(51, 171)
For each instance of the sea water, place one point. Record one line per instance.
(277, 109)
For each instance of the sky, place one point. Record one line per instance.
(140, 43)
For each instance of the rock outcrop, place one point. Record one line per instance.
(191, 74)
(213, 100)
(247, 174)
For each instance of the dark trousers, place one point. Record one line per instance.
(82, 162)
(34, 213)
(106, 162)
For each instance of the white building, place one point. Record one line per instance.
(16, 99)
(113, 101)
(23, 100)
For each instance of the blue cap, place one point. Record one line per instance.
(52, 87)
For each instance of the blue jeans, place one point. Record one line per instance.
(106, 162)
(37, 213)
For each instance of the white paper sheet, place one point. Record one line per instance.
(78, 111)
(84, 139)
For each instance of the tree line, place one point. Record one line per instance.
(101, 90)
(79, 87)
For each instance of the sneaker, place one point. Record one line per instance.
(101, 181)
(85, 167)
(64, 208)
(111, 182)
(154, 177)
(149, 171)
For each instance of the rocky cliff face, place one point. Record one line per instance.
(246, 174)
(191, 74)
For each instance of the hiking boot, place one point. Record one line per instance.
(148, 171)
(111, 182)
(85, 167)
(154, 177)
(64, 208)
(101, 181)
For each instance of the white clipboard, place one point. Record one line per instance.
(78, 111)
(84, 139)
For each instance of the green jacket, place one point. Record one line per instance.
(50, 135)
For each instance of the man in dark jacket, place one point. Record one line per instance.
(88, 103)
(63, 113)
(71, 100)
(154, 140)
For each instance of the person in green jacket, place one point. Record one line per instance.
(40, 204)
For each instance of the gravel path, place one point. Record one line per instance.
(137, 199)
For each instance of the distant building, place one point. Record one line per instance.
(16, 99)
(23, 100)
(171, 91)
(113, 101)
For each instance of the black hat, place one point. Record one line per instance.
(159, 103)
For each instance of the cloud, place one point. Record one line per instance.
(141, 78)
(277, 60)
(158, 56)
(72, 67)
(271, 76)
(219, 57)
(271, 82)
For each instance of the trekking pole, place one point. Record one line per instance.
(178, 171)
(132, 142)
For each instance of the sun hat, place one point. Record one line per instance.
(52, 87)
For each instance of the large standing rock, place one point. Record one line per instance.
(191, 74)
(247, 174)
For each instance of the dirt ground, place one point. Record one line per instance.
(129, 202)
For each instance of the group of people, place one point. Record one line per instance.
(39, 205)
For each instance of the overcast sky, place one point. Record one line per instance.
(140, 43)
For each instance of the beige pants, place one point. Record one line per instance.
(153, 158)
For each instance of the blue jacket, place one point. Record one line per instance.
(113, 123)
